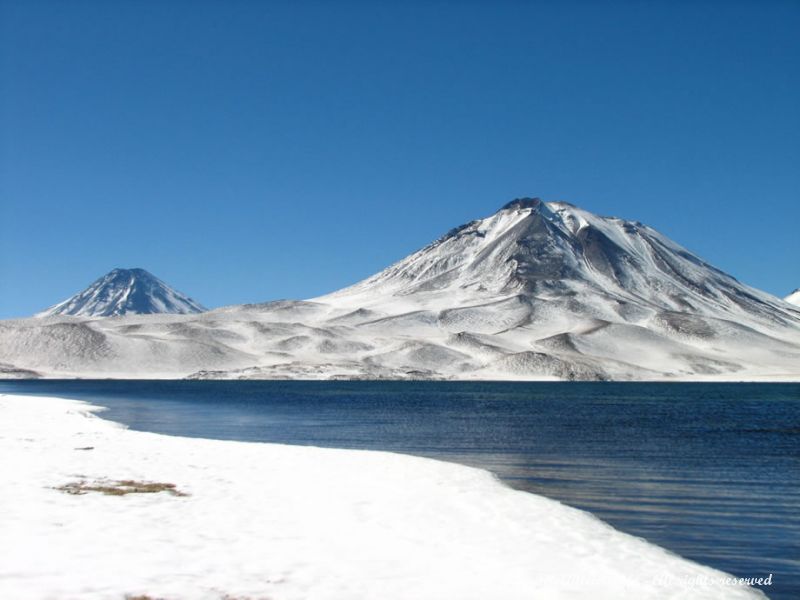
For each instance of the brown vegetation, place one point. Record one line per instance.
(119, 488)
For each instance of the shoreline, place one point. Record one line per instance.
(9, 376)
(267, 520)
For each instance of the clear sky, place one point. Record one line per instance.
(249, 151)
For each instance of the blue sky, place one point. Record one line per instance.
(248, 151)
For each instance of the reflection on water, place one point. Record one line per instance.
(710, 471)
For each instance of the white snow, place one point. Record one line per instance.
(123, 292)
(794, 297)
(551, 291)
(291, 522)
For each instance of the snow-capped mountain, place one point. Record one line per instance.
(794, 297)
(124, 292)
(556, 252)
(538, 290)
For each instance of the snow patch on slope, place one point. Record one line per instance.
(794, 297)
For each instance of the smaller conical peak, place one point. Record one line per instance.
(522, 203)
(125, 291)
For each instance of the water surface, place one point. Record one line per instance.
(709, 471)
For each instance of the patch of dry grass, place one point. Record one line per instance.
(119, 488)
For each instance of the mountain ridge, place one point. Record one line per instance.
(536, 291)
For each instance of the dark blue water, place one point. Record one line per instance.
(710, 471)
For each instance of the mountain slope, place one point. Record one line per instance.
(535, 291)
(794, 297)
(122, 292)
(550, 250)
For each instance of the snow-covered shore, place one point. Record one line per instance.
(290, 522)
